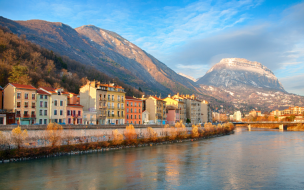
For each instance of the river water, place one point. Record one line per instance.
(257, 159)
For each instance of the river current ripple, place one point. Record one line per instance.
(258, 159)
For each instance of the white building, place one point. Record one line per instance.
(237, 116)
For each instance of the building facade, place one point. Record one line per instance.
(21, 99)
(157, 110)
(58, 104)
(133, 110)
(237, 116)
(206, 112)
(43, 107)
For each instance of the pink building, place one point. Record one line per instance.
(173, 115)
(74, 110)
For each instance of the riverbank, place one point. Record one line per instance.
(23, 154)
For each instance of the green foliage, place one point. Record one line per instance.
(19, 75)
(188, 120)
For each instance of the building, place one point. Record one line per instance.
(173, 114)
(1, 98)
(237, 116)
(181, 107)
(58, 104)
(104, 100)
(145, 117)
(74, 110)
(215, 116)
(133, 110)
(157, 110)
(206, 112)
(254, 113)
(21, 99)
(193, 109)
(43, 107)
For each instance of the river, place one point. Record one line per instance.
(257, 159)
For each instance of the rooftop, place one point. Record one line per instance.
(22, 86)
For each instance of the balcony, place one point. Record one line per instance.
(33, 98)
(33, 106)
(33, 115)
(26, 115)
(26, 106)
(18, 115)
(102, 107)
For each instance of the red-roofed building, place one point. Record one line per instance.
(21, 99)
(133, 110)
(74, 110)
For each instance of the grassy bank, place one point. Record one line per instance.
(127, 139)
(298, 127)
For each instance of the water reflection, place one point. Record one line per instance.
(266, 159)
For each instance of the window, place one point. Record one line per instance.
(112, 105)
(135, 122)
(60, 120)
(127, 110)
(79, 113)
(33, 113)
(33, 104)
(69, 121)
(26, 104)
(33, 96)
(109, 105)
(68, 112)
(138, 104)
(45, 121)
(18, 95)
(139, 122)
(118, 106)
(18, 113)
(108, 113)
(118, 114)
(25, 113)
(138, 116)
(41, 104)
(112, 97)
(55, 102)
(118, 98)
(61, 103)
(56, 120)
(131, 104)
(74, 113)
(134, 116)
(26, 96)
(131, 117)
(45, 112)
(122, 98)
(41, 96)
(113, 113)
(61, 112)
(127, 116)
(45, 104)
(40, 121)
(127, 103)
(122, 106)
(109, 97)
(18, 104)
(55, 112)
(122, 114)
(131, 110)
(40, 112)
(138, 110)
(135, 104)
(45, 97)
(135, 110)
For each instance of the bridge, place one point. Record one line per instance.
(282, 124)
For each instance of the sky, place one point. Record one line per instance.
(191, 36)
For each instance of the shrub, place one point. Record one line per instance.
(194, 131)
(130, 134)
(152, 135)
(117, 137)
(18, 136)
(54, 132)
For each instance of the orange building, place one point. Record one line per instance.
(133, 110)
(74, 110)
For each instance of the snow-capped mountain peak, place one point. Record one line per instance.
(188, 77)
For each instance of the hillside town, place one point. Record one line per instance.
(96, 104)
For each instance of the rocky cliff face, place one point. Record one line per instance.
(236, 73)
(106, 51)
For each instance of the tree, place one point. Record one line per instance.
(140, 89)
(3, 140)
(152, 135)
(19, 75)
(117, 137)
(130, 134)
(18, 136)
(188, 120)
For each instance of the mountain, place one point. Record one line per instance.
(106, 51)
(188, 77)
(247, 85)
(237, 73)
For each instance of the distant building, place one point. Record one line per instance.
(157, 110)
(74, 110)
(145, 117)
(237, 116)
(133, 110)
(43, 107)
(206, 112)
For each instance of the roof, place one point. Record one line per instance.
(49, 89)
(156, 98)
(75, 105)
(132, 98)
(42, 92)
(22, 86)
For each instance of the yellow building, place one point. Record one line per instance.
(104, 100)
(157, 110)
(21, 99)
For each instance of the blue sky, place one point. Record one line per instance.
(190, 36)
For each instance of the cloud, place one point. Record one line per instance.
(294, 84)
(275, 45)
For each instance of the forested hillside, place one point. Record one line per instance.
(26, 63)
